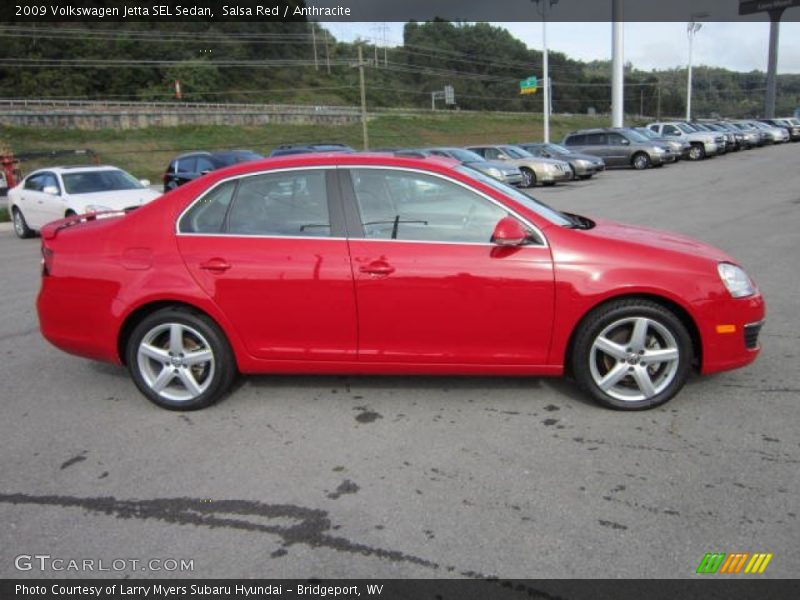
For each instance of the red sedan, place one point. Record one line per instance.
(380, 264)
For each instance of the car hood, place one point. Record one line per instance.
(656, 239)
(117, 199)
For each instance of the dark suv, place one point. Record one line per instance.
(285, 149)
(192, 165)
(620, 147)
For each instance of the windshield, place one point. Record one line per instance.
(557, 149)
(539, 208)
(794, 121)
(515, 152)
(635, 136)
(90, 182)
(646, 133)
(464, 155)
(685, 128)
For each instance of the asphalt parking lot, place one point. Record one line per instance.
(424, 477)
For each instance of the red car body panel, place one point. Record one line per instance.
(331, 305)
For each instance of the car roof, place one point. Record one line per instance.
(333, 159)
(62, 169)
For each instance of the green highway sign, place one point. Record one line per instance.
(529, 85)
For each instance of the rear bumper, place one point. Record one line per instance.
(81, 324)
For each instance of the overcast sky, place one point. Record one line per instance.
(736, 46)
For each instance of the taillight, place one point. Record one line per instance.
(47, 261)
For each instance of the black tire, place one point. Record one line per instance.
(20, 225)
(574, 174)
(640, 161)
(70, 213)
(528, 177)
(697, 152)
(663, 332)
(586, 177)
(197, 334)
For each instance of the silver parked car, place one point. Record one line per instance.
(502, 171)
(703, 143)
(583, 166)
(534, 169)
(620, 147)
(680, 148)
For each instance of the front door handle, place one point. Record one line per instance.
(215, 265)
(377, 267)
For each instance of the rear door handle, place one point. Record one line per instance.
(377, 267)
(215, 265)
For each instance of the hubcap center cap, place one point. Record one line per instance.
(176, 361)
(633, 359)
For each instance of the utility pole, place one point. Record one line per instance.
(546, 98)
(363, 98)
(617, 65)
(641, 102)
(658, 101)
(692, 27)
(772, 63)
(327, 55)
(314, 42)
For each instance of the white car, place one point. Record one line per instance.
(57, 192)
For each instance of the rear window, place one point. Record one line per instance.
(578, 139)
(91, 182)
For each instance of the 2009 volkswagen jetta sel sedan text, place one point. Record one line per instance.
(380, 264)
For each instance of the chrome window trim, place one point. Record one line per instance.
(536, 230)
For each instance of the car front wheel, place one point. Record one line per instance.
(631, 355)
(180, 359)
(640, 161)
(20, 226)
(528, 177)
(697, 152)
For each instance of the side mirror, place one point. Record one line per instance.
(626, 142)
(502, 157)
(205, 172)
(51, 190)
(144, 182)
(509, 232)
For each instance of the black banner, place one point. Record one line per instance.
(33, 11)
(732, 588)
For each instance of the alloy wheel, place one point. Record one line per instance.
(176, 361)
(634, 359)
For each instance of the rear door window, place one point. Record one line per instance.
(578, 139)
(595, 139)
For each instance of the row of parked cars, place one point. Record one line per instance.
(49, 194)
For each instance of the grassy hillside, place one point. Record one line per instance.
(146, 152)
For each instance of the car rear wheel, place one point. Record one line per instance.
(20, 226)
(631, 355)
(640, 161)
(697, 152)
(528, 177)
(180, 359)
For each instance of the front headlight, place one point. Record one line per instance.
(97, 208)
(735, 280)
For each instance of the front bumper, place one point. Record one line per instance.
(553, 177)
(730, 332)
(512, 178)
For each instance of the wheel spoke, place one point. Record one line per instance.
(613, 377)
(189, 382)
(164, 377)
(199, 357)
(643, 381)
(611, 348)
(660, 355)
(176, 339)
(638, 335)
(155, 353)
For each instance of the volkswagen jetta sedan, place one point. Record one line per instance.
(380, 264)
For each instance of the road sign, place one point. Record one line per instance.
(449, 95)
(749, 7)
(529, 85)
